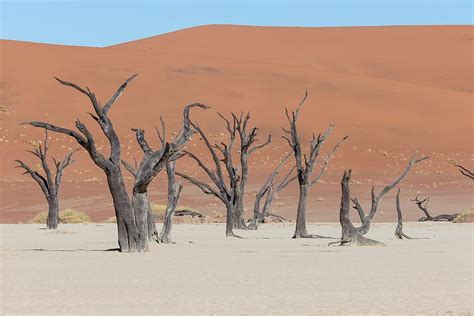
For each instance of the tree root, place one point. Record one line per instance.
(357, 240)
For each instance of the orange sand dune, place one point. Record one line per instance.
(391, 89)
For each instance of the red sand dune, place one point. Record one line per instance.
(391, 89)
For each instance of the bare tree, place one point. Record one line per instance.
(305, 165)
(350, 234)
(128, 232)
(248, 138)
(465, 172)
(174, 192)
(48, 182)
(399, 230)
(366, 220)
(151, 165)
(225, 192)
(269, 190)
(423, 206)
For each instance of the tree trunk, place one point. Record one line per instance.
(229, 221)
(239, 221)
(141, 209)
(301, 214)
(152, 232)
(174, 192)
(53, 212)
(126, 226)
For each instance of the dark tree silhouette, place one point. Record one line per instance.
(465, 172)
(366, 220)
(174, 192)
(225, 192)
(153, 162)
(269, 190)
(248, 138)
(423, 206)
(350, 234)
(305, 165)
(48, 182)
(399, 230)
(128, 232)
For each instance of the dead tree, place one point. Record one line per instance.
(128, 231)
(48, 182)
(248, 138)
(174, 192)
(153, 162)
(305, 165)
(423, 206)
(225, 192)
(350, 234)
(269, 190)
(366, 220)
(465, 172)
(399, 230)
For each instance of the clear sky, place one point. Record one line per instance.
(106, 22)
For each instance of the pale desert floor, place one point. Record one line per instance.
(69, 272)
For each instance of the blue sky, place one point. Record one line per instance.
(106, 22)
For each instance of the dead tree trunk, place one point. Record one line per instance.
(399, 230)
(151, 165)
(268, 191)
(226, 193)
(247, 140)
(350, 234)
(128, 233)
(465, 172)
(366, 220)
(305, 165)
(174, 192)
(48, 182)
(423, 206)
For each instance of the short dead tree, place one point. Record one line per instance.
(48, 182)
(129, 234)
(423, 206)
(225, 192)
(465, 172)
(268, 191)
(350, 234)
(153, 162)
(366, 220)
(305, 165)
(248, 138)
(399, 230)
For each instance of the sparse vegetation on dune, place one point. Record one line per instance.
(67, 216)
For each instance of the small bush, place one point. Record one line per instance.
(465, 217)
(67, 216)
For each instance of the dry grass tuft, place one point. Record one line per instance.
(465, 217)
(67, 216)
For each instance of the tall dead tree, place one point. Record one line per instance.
(153, 162)
(174, 192)
(399, 230)
(465, 172)
(305, 165)
(268, 191)
(248, 138)
(225, 192)
(366, 220)
(128, 232)
(423, 206)
(48, 182)
(350, 234)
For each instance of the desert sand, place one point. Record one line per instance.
(391, 89)
(69, 272)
